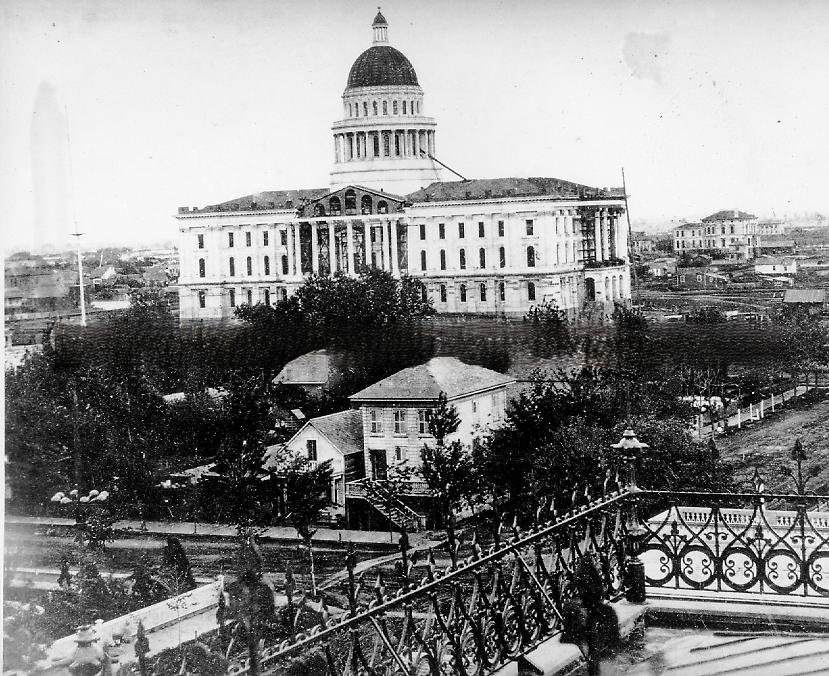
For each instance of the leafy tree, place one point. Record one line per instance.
(448, 471)
(442, 419)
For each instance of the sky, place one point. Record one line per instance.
(113, 114)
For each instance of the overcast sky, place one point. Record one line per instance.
(708, 105)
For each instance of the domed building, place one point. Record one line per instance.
(384, 140)
(484, 246)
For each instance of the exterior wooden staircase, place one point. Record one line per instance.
(390, 506)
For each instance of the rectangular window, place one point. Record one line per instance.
(443, 293)
(247, 239)
(422, 422)
(441, 231)
(202, 299)
(500, 228)
(399, 454)
(460, 230)
(400, 422)
(376, 422)
(200, 240)
(202, 270)
(265, 238)
(529, 226)
(422, 231)
(230, 239)
(250, 296)
(231, 267)
(311, 448)
(267, 294)
(283, 237)
(442, 259)
(232, 295)
(462, 259)
(481, 230)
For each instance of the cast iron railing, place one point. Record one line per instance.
(474, 608)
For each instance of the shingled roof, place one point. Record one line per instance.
(269, 199)
(426, 381)
(493, 188)
(729, 215)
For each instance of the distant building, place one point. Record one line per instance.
(776, 246)
(768, 265)
(809, 300)
(733, 233)
(314, 371)
(662, 268)
(641, 242)
(700, 278)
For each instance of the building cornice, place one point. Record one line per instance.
(574, 201)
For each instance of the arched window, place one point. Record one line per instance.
(319, 210)
(284, 265)
(424, 294)
(482, 257)
(335, 206)
(386, 144)
(366, 204)
(385, 107)
(375, 140)
(530, 291)
(463, 293)
(267, 262)
(606, 288)
(443, 293)
(530, 257)
(250, 266)
(442, 259)
(365, 108)
(462, 259)
(422, 260)
(502, 257)
(615, 287)
(483, 291)
(374, 105)
(590, 288)
(404, 107)
(382, 207)
(394, 107)
(231, 267)
(502, 292)
(350, 201)
(202, 269)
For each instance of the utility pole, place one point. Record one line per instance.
(77, 236)
(630, 240)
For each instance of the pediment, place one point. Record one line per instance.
(354, 200)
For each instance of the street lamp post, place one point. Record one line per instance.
(629, 447)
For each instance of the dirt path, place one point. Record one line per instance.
(767, 447)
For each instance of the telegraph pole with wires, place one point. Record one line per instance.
(77, 236)
(630, 242)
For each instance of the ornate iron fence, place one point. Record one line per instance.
(480, 607)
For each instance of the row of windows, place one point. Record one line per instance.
(335, 205)
(481, 229)
(399, 421)
(248, 239)
(282, 294)
(502, 258)
(482, 292)
(231, 266)
(407, 107)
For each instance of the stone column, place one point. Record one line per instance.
(606, 234)
(612, 223)
(366, 244)
(297, 249)
(597, 234)
(332, 249)
(395, 265)
(380, 241)
(349, 244)
(315, 252)
(288, 252)
(417, 143)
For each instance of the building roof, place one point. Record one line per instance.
(382, 66)
(266, 200)
(805, 296)
(427, 381)
(773, 243)
(311, 368)
(379, 20)
(729, 215)
(344, 430)
(493, 188)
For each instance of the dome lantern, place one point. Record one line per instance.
(380, 28)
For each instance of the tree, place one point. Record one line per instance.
(307, 489)
(442, 419)
(448, 471)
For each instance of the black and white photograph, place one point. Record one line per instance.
(434, 338)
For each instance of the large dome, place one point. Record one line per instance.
(381, 65)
